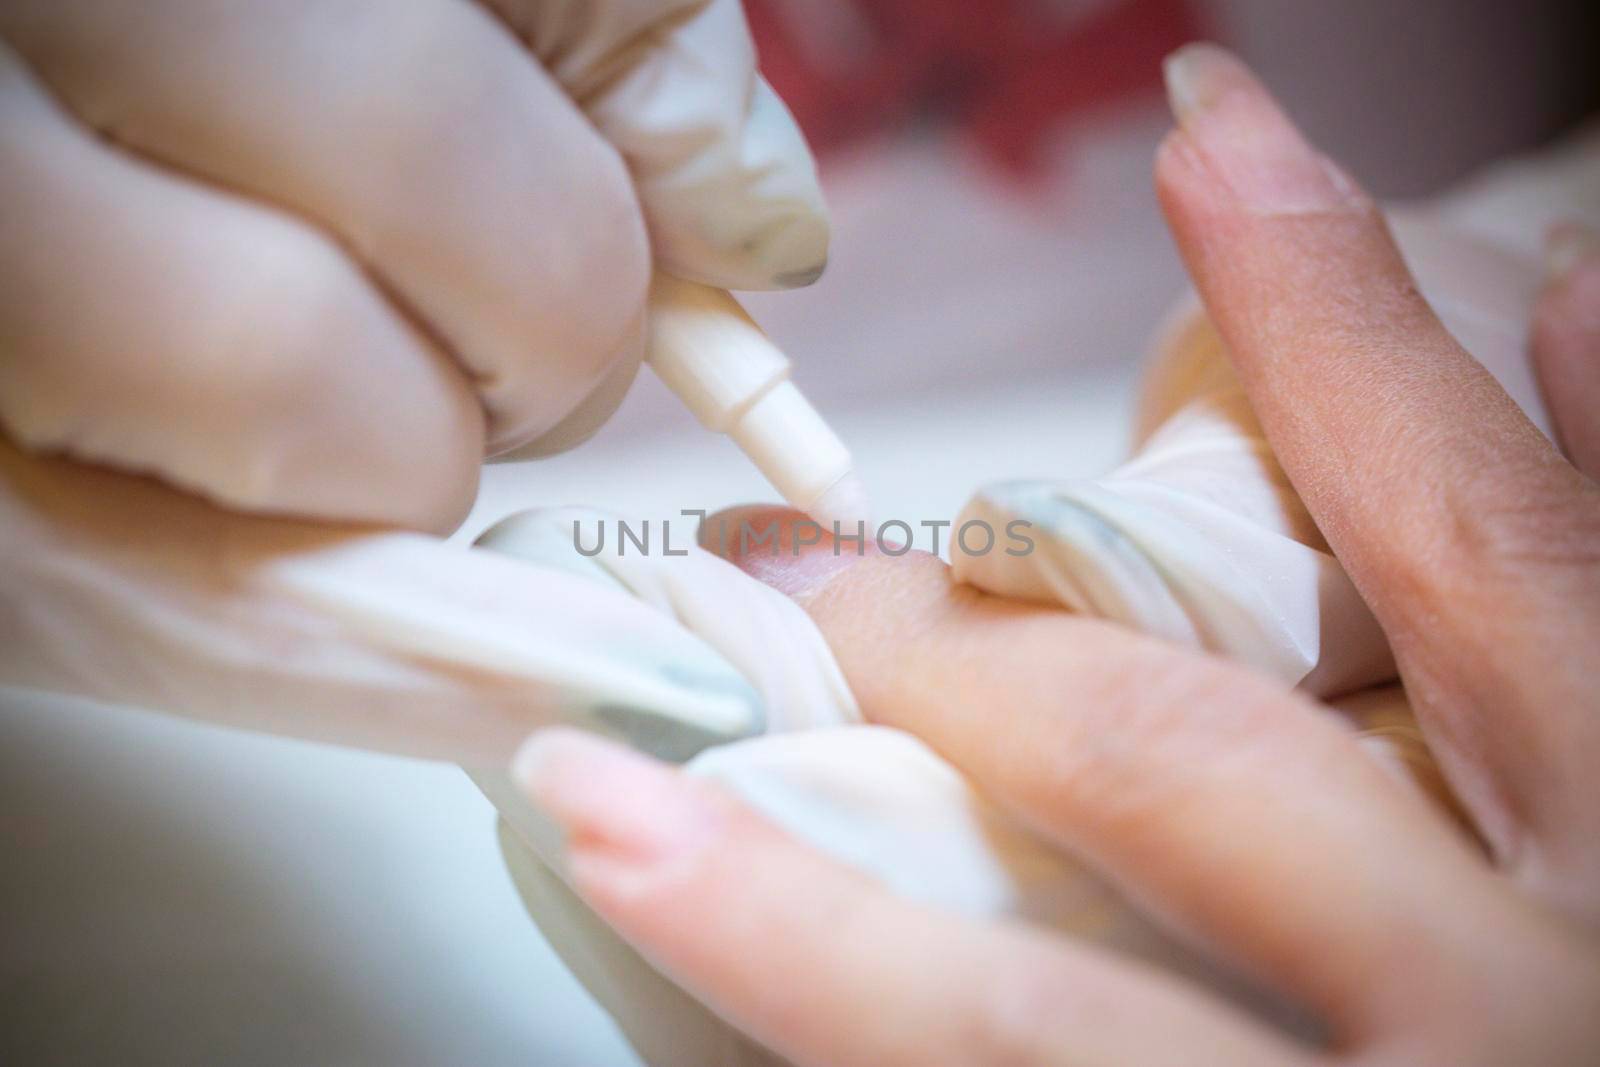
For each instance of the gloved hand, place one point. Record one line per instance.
(316, 259)
(319, 257)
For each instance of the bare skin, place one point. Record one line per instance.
(1245, 817)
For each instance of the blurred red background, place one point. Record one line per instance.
(1005, 73)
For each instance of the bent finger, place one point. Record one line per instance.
(1566, 343)
(826, 967)
(1471, 538)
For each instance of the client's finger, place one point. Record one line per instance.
(827, 968)
(1245, 816)
(1471, 538)
(1566, 343)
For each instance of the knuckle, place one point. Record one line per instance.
(1508, 531)
(319, 361)
(1132, 755)
(1010, 1016)
(292, 298)
(1546, 523)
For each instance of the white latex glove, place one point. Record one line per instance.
(318, 257)
(315, 258)
(1200, 537)
(872, 796)
(120, 589)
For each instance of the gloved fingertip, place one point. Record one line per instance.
(775, 254)
(795, 254)
(1568, 246)
(746, 211)
(799, 279)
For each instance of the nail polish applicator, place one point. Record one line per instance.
(709, 352)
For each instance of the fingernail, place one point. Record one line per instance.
(1244, 138)
(783, 548)
(1568, 246)
(1197, 76)
(619, 811)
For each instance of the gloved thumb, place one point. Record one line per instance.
(727, 185)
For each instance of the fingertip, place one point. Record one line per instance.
(775, 252)
(1246, 140)
(785, 244)
(1569, 247)
(532, 763)
(1196, 203)
(798, 254)
(1565, 341)
(1179, 174)
(800, 277)
(1200, 73)
(781, 547)
(613, 804)
(746, 211)
(719, 530)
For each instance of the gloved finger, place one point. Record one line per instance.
(761, 633)
(1472, 540)
(158, 325)
(1242, 814)
(1566, 343)
(825, 967)
(124, 590)
(421, 136)
(1157, 546)
(728, 186)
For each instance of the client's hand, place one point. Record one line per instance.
(1245, 817)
